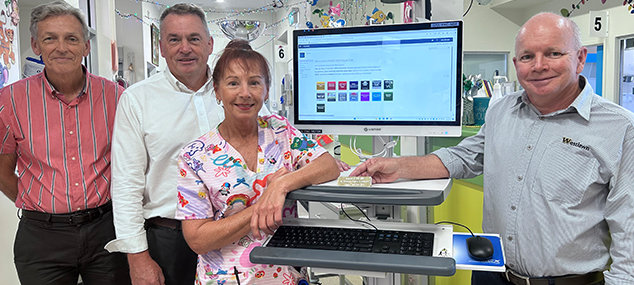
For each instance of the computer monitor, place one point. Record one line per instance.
(402, 80)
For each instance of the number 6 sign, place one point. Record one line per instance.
(598, 24)
(281, 55)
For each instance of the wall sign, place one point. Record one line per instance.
(598, 24)
(280, 54)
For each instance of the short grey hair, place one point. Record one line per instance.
(574, 28)
(57, 8)
(186, 9)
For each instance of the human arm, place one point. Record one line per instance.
(384, 170)
(267, 212)
(129, 164)
(342, 165)
(620, 218)
(8, 178)
(144, 270)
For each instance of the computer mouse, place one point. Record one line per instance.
(479, 248)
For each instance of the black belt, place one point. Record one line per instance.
(584, 279)
(165, 222)
(74, 218)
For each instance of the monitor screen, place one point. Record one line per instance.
(403, 79)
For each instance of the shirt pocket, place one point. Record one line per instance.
(565, 173)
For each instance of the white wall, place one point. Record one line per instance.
(106, 32)
(129, 34)
(487, 31)
(151, 11)
(9, 226)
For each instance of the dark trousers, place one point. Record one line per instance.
(57, 253)
(496, 278)
(170, 250)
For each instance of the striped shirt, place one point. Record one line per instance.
(63, 148)
(557, 187)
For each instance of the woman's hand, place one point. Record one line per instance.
(267, 211)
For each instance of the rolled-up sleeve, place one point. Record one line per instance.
(465, 160)
(129, 164)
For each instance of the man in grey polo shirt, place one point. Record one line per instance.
(558, 174)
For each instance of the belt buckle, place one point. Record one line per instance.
(78, 218)
(517, 275)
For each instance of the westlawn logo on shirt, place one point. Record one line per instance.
(577, 144)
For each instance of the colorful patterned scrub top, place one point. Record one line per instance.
(214, 183)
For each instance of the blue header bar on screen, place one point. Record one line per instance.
(377, 43)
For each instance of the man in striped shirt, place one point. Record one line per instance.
(56, 128)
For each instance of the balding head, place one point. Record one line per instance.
(548, 60)
(546, 21)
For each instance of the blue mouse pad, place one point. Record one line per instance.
(464, 261)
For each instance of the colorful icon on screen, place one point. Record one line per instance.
(354, 85)
(321, 85)
(388, 96)
(365, 96)
(388, 84)
(343, 85)
(332, 85)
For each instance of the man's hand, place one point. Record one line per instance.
(8, 179)
(382, 170)
(267, 212)
(144, 270)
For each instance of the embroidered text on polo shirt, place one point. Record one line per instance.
(577, 144)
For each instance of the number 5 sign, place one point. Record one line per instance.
(598, 24)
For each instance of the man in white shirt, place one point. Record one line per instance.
(155, 119)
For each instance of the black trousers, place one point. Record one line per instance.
(170, 250)
(495, 278)
(57, 253)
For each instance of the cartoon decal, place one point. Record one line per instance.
(181, 200)
(224, 189)
(192, 148)
(6, 43)
(196, 166)
(302, 143)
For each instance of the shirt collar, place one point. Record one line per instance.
(582, 104)
(59, 94)
(179, 86)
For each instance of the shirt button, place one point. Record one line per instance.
(76, 184)
(71, 132)
(519, 178)
(529, 147)
(78, 208)
(511, 265)
(510, 238)
(73, 158)
(513, 208)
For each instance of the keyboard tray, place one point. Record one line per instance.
(363, 261)
(402, 192)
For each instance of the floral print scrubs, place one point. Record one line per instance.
(214, 184)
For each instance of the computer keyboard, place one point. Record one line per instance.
(356, 240)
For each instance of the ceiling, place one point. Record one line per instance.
(226, 4)
(206, 4)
